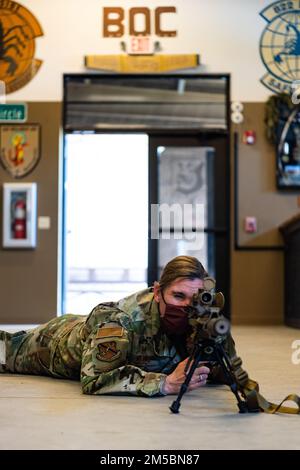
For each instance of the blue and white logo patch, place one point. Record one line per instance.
(280, 45)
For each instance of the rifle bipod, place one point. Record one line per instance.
(213, 352)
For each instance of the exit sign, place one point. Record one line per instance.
(140, 45)
(13, 112)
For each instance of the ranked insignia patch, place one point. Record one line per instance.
(108, 351)
(107, 331)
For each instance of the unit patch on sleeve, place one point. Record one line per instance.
(108, 351)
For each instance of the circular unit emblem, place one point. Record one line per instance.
(280, 46)
(18, 30)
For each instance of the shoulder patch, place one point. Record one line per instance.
(108, 331)
(108, 351)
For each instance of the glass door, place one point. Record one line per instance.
(189, 204)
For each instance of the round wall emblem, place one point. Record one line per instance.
(280, 45)
(18, 30)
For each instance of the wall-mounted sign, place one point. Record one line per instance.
(140, 45)
(18, 30)
(280, 45)
(117, 22)
(140, 63)
(142, 26)
(13, 112)
(20, 148)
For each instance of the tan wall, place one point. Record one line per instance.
(257, 287)
(28, 278)
(257, 276)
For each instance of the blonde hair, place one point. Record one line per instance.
(184, 267)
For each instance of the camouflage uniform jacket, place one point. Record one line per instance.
(125, 351)
(117, 349)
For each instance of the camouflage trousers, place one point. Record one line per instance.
(32, 351)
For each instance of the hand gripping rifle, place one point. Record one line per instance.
(211, 330)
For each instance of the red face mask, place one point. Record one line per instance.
(175, 320)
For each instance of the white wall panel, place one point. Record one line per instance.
(225, 33)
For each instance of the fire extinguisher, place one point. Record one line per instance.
(19, 220)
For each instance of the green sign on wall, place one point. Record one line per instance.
(13, 112)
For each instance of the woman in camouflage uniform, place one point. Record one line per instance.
(136, 346)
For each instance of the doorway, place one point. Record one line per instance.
(109, 250)
(106, 206)
(182, 164)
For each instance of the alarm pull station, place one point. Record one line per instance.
(250, 224)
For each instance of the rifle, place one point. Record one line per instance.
(210, 331)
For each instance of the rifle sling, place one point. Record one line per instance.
(255, 401)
